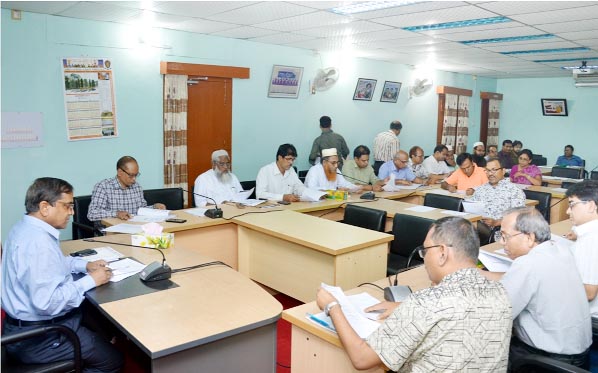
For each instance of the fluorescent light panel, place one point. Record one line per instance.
(458, 24)
(507, 40)
(371, 5)
(555, 50)
(569, 59)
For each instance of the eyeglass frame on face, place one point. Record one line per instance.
(402, 161)
(422, 250)
(132, 176)
(222, 164)
(500, 236)
(289, 158)
(524, 159)
(574, 203)
(335, 163)
(69, 205)
(492, 171)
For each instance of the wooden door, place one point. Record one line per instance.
(209, 123)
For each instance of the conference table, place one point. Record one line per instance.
(210, 319)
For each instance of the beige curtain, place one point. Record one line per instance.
(493, 122)
(175, 132)
(462, 124)
(455, 127)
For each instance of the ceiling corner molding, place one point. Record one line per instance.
(446, 90)
(491, 96)
(193, 69)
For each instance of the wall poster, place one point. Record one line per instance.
(89, 101)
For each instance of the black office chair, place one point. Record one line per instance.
(82, 227)
(302, 174)
(10, 364)
(567, 184)
(543, 202)
(247, 185)
(571, 173)
(409, 232)
(538, 160)
(442, 201)
(543, 364)
(594, 175)
(365, 217)
(172, 198)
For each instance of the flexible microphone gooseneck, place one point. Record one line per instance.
(352, 178)
(214, 213)
(165, 272)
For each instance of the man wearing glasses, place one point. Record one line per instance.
(219, 183)
(325, 175)
(278, 180)
(583, 211)
(550, 311)
(120, 196)
(461, 323)
(38, 288)
(398, 168)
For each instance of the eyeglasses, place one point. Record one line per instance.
(524, 159)
(492, 171)
(400, 160)
(421, 250)
(502, 236)
(290, 159)
(69, 205)
(334, 163)
(223, 164)
(131, 175)
(573, 203)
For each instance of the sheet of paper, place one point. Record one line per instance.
(311, 195)
(145, 211)
(124, 268)
(124, 228)
(361, 324)
(421, 208)
(560, 190)
(106, 253)
(242, 196)
(473, 207)
(501, 251)
(362, 301)
(561, 241)
(494, 262)
(455, 213)
(150, 218)
(198, 211)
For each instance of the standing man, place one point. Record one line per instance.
(435, 164)
(583, 211)
(568, 159)
(359, 171)
(278, 181)
(460, 324)
(325, 175)
(479, 151)
(399, 168)
(466, 178)
(328, 140)
(386, 145)
(219, 183)
(507, 157)
(120, 196)
(551, 316)
(37, 286)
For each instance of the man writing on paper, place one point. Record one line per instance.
(435, 164)
(37, 286)
(325, 176)
(120, 196)
(425, 333)
(550, 311)
(219, 183)
(360, 172)
(466, 178)
(278, 180)
(399, 168)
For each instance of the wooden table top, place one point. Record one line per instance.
(210, 303)
(397, 207)
(320, 234)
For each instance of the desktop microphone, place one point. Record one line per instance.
(352, 178)
(367, 195)
(214, 213)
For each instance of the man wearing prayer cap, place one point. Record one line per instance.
(325, 176)
(219, 183)
(478, 155)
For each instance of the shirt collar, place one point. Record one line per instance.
(586, 228)
(32, 220)
(116, 184)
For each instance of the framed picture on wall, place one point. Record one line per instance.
(390, 92)
(554, 107)
(285, 81)
(364, 91)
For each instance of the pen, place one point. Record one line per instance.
(321, 322)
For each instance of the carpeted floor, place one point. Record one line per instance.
(283, 343)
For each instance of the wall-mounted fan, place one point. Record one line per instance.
(419, 87)
(325, 78)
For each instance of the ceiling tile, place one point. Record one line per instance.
(44, 7)
(583, 25)
(509, 8)
(436, 16)
(198, 8)
(203, 26)
(409, 8)
(305, 21)
(261, 12)
(506, 47)
(561, 15)
(101, 12)
(491, 33)
(352, 28)
(281, 38)
(244, 32)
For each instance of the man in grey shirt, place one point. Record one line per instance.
(328, 139)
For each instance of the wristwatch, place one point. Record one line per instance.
(329, 307)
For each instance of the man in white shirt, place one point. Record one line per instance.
(278, 180)
(325, 176)
(435, 164)
(219, 183)
(386, 144)
(583, 211)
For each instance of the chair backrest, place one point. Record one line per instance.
(543, 202)
(171, 197)
(442, 201)
(540, 364)
(302, 173)
(409, 232)
(365, 217)
(539, 161)
(594, 175)
(82, 227)
(247, 185)
(571, 173)
(567, 184)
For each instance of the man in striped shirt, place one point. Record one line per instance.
(386, 145)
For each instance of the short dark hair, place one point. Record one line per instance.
(414, 150)
(586, 190)
(396, 125)
(527, 152)
(570, 146)
(462, 157)
(458, 233)
(325, 121)
(361, 150)
(517, 142)
(440, 148)
(493, 146)
(505, 142)
(496, 159)
(286, 149)
(530, 220)
(47, 189)
(124, 160)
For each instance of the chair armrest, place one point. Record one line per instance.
(539, 361)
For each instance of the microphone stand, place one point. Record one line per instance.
(214, 213)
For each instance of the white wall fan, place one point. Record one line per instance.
(324, 79)
(419, 87)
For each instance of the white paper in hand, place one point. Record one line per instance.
(361, 324)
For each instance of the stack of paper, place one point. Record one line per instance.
(148, 215)
(474, 207)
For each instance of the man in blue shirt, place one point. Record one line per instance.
(38, 288)
(568, 159)
(399, 167)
